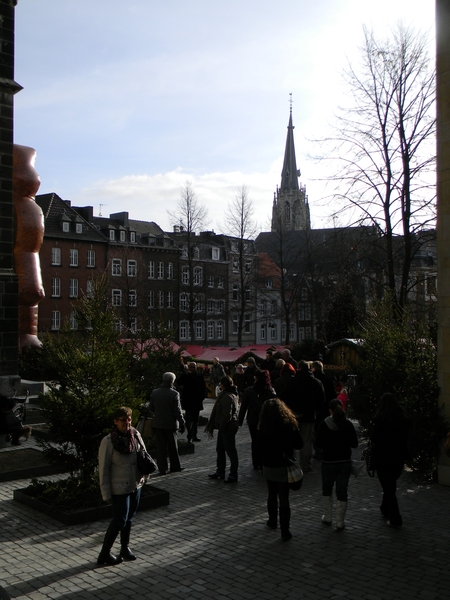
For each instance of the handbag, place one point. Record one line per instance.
(368, 457)
(359, 467)
(294, 475)
(145, 462)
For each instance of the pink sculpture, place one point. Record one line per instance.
(29, 222)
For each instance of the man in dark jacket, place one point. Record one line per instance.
(167, 417)
(305, 396)
(330, 394)
(194, 392)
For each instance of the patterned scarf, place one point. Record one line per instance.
(123, 442)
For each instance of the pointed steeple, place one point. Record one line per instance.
(289, 174)
(290, 206)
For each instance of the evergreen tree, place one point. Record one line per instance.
(93, 379)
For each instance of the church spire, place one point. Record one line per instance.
(290, 207)
(290, 174)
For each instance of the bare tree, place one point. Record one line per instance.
(190, 218)
(244, 265)
(384, 147)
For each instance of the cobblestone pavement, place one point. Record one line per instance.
(211, 542)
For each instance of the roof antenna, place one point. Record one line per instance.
(100, 211)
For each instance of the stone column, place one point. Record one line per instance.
(443, 219)
(8, 278)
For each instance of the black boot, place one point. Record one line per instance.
(105, 557)
(125, 551)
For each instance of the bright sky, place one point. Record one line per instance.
(127, 101)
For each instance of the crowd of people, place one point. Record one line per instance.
(294, 412)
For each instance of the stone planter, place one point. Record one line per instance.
(25, 463)
(152, 497)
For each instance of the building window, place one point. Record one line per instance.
(65, 228)
(56, 287)
(308, 333)
(161, 299)
(198, 276)
(169, 270)
(151, 269)
(160, 270)
(133, 237)
(112, 235)
(56, 319)
(273, 307)
(133, 324)
(199, 330)
(117, 297)
(170, 325)
(273, 332)
(269, 284)
(184, 303)
(304, 294)
(79, 227)
(235, 265)
(196, 252)
(73, 261)
(89, 288)
(169, 299)
(91, 258)
(185, 275)
(235, 292)
(210, 281)
(151, 326)
(151, 299)
(184, 252)
(199, 300)
(184, 327)
(132, 298)
(219, 330)
(248, 266)
(307, 312)
(220, 306)
(215, 253)
(292, 332)
(220, 282)
(210, 330)
(131, 268)
(262, 331)
(73, 323)
(123, 236)
(210, 306)
(56, 256)
(248, 293)
(116, 267)
(118, 325)
(247, 323)
(301, 312)
(301, 334)
(73, 288)
(235, 324)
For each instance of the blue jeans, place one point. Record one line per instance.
(338, 472)
(226, 443)
(124, 508)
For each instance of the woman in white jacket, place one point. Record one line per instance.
(120, 483)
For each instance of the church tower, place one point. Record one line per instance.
(290, 203)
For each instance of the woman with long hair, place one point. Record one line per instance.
(279, 437)
(224, 418)
(336, 436)
(389, 440)
(253, 399)
(120, 483)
